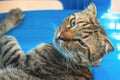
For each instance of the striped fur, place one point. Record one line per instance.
(10, 21)
(10, 52)
(79, 42)
(82, 39)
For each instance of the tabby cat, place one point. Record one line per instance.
(78, 43)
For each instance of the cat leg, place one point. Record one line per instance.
(10, 52)
(10, 21)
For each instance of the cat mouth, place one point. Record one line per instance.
(67, 40)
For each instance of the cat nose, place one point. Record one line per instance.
(67, 35)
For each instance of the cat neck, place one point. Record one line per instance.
(62, 59)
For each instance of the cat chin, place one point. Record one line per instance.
(59, 48)
(57, 45)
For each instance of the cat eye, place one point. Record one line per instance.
(72, 22)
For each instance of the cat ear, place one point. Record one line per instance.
(91, 10)
(109, 47)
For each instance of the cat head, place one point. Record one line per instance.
(81, 38)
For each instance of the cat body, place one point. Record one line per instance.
(42, 63)
(78, 43)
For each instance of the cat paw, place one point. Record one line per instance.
(15, 15)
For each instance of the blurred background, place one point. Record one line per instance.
(42, 17)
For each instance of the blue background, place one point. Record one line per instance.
(39, 27)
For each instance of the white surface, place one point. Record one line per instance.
(27, 5)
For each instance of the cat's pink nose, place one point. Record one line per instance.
(67, 35)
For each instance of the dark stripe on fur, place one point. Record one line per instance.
(15, 60)
(11, 60)
(8, 49)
